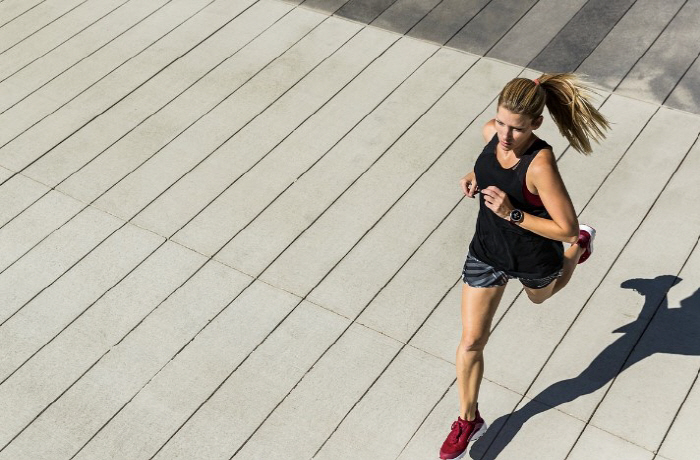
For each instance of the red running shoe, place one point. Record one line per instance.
(455, 446)
(586, 235)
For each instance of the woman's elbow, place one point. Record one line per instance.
(572, 234)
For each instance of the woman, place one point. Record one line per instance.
(524, 216)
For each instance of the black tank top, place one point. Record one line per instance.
(503, 244)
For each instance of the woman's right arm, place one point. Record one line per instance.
(468, 182)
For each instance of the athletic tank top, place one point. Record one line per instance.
(503, 244)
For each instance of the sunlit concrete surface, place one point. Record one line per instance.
(233, 229)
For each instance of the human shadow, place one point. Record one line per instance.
(674, 331)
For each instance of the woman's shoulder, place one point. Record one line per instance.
(489, 130)
(544, 162)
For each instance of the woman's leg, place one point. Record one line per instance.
(478, 308)
(571, 257)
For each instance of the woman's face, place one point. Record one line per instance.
(514, 130)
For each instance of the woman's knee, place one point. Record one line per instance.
(536, 297)
(473, 342)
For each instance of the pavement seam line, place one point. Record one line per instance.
(207, 260)
(158, 72)
(270, 150)
(116, 37)
(651, 45)
(661, 301)
(185, 130)
(23, 12)
(606, 35)
(67, 40)
(603, 278)
(44, 26)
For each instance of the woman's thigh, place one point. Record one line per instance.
(478, 309)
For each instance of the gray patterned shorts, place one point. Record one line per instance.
(480, 274)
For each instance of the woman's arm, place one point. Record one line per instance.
(544, 177)
(468, 182)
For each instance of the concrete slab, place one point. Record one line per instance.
(364, 11)
(407, 160)
(62, 127)
(56, 307)
(306, 199)
(685, 96)
(130, 124)
(599, 444)
(52, 258)
(192, 229)
(34, 19)
(117, 349)
(411, 283)
(413, 376)
(666, 356)
(127, 368)
(80, 46)
(581, 35)
(274, 89)
(89, 71)
(485, 29)
(326, 6)
(608, 313)
(681, 442)
(403, 302)
(308, 415)
(402, 15)
(655, 75)
(192, 376)
(33, 225)
(440, 333)
(220, 72)
(629, 118)
(245, 400)
(516, 367)
(12, 9)
(5, 174)
(55, 33)
(628, 41)
(17, 193)
(534, 430)
(360, 275)
(446, 19)
(176, 206)
(63, 360)
(240, 189)
(426, 441)
(520, 45)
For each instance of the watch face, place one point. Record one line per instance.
(516, 215)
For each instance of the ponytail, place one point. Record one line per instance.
(568, 100)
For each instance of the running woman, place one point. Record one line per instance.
(525, 214)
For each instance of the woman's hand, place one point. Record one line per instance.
(497, 201)
(468, 185)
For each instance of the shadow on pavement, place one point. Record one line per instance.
(674, 331)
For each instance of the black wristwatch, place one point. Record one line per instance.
(516, 216)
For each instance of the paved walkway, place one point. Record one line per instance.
(233, 229)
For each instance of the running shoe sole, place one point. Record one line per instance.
(475, 436)
(591, 231)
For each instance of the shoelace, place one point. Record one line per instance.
(456, 431)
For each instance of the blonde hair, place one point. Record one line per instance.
(568, 100)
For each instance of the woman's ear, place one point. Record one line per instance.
(537, 122)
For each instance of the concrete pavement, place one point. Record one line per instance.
(233, 229)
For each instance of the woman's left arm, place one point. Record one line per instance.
(544, 176)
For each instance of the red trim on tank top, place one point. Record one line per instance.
(530, 197)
